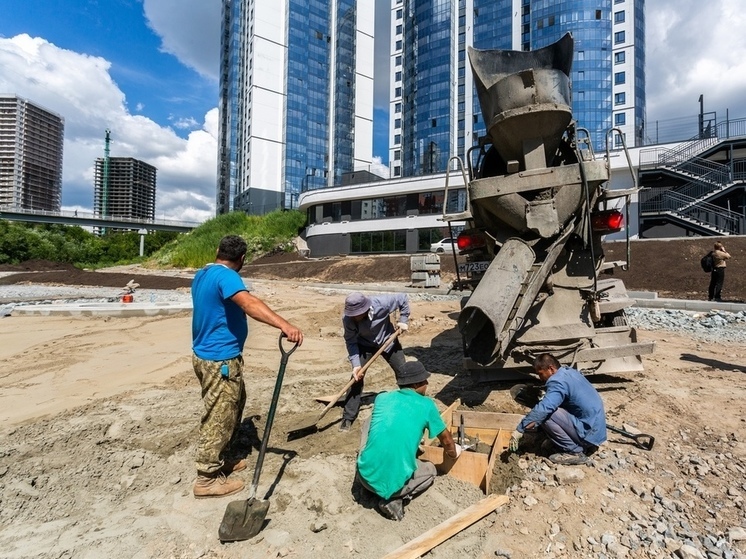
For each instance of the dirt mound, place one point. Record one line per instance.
(38, 266)
(669, 266)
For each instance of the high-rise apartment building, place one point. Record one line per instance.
(124, 187)
(31, 144)
(296, 99)
(434, 110)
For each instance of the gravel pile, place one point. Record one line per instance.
(715, 325)
(680, 509)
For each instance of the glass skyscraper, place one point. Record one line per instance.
(296, 99)
(434, 111)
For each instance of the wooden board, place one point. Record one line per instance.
(436, 536)
(493, 428)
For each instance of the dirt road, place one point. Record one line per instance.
(99, 422)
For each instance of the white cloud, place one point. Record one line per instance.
(695, 48)
(190, 30)
(79, 88)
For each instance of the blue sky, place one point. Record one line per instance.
(147, 70)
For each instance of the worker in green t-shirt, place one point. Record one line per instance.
(388, 464)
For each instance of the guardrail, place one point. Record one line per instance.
(94, 220)
(708, 215)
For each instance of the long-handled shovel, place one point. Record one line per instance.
(310, 428)
(642, 440)
(244, 519)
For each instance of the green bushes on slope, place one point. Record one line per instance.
(262, 233)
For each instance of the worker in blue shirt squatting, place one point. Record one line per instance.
(387, 465)
(571, 413)
(367, 325)
(221, 304)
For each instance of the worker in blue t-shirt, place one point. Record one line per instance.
(388, 464)
(219, 329)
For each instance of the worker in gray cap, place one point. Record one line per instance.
(388, 465)
(367, 325)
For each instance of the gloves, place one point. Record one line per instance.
(403, 326)
(356, 373)
(515, 441)
(459, 450)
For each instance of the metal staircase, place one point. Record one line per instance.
(705, 180)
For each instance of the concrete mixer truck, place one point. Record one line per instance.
(537, 207)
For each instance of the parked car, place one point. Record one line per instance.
(444, 244)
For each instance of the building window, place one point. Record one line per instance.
(398, 27)
(397, 155)
(618, 140)
(399, 13)
(397, 171)
(619, 78)
(397, 138)
(619, 17)
(618, 37)
(619, 57)
(397, 92)
(398, 45)
(598, 14)
(620, 119)
(397, 60)
(397, 108)
(620, 98)
(397, 123)
(434, 123)
(398, 76)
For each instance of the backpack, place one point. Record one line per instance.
(707, 262)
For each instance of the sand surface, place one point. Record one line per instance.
(100, 415)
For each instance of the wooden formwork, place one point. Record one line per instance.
(493, 430)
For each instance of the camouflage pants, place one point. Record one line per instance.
(224, 399)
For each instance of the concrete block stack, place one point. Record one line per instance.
(425, 270)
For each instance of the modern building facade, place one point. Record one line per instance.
(31, 147)
(434, 110)
(124, 187)
(296, 99)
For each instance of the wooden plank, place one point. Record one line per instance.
(486, 419)
(469, 467)
(440, 533)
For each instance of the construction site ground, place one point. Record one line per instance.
(99, 420)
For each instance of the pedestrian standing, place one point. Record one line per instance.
(717, 276)
(221, 304)
(367, 325)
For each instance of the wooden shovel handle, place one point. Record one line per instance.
(364, 368)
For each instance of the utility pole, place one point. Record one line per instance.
(701, 117)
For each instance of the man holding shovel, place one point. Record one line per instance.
(219, 329)
(367, 325)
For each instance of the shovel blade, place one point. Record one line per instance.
(243, 520)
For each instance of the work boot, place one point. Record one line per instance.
(235, 465)
(393, 509)
(215, 485)
(345, 425)
(569, 458)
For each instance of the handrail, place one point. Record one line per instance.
(690, 208)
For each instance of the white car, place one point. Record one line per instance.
(444, 244)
